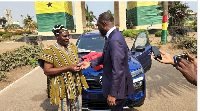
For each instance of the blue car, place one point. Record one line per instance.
(139, 62)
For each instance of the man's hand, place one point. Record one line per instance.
(111, 100)
(84, 65)
(188, 70)
(74, 68)
(192, 59)
(166, 58)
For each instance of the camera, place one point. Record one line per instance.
(177, 57)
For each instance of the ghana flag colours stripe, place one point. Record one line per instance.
(143, 13)
(164, 29)
(50, 13)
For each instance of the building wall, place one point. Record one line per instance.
(143, 13)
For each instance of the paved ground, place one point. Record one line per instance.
(167, 90)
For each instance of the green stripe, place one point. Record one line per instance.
(47, 21)
(164, 36)
(144, 15)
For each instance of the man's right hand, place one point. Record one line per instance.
(166, 58)
(84, 65)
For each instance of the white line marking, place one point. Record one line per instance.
(19, 79)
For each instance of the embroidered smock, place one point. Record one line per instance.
(67, 83)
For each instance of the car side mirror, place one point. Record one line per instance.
(140, 48)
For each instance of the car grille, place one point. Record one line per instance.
(93, 82)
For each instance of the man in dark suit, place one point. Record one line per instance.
(117, 81)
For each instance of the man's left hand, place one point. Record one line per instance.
(111, 100)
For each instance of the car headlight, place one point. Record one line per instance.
(137, 72)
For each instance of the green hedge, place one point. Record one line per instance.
(1, 33)
(8, 35)
(195, 28)
(133, 33)
(189, 43)
(159, 33)
(24, 55)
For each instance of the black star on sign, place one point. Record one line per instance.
(49, 4)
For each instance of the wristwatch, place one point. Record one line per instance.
(175, 61)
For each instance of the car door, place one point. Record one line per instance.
(141, 49)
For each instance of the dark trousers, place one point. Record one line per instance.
(119, 105)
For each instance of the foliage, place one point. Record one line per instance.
(159, 45)
(32, 62)
(16, 37)
(4, 32)
(2, 75)
(195, 28)
(133, 33)
(159, 33)
(178, 12)
(12, 26)
(89, 15)
(16, 32)
(27, 32)
(189, 43)
(110, 12)
(6, 36)
(29, 24)
(24, 55)
(90, 24)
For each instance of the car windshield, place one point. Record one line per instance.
(90, 44)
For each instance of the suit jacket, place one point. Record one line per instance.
(117, 80)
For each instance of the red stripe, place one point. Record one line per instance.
(164, 19)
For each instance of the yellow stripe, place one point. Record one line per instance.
(146, 3)
(164, 26)
(55, 6)
(68, 7)
(130, 5)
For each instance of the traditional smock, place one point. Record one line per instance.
(67, 83)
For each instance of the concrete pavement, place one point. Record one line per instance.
(27, 94)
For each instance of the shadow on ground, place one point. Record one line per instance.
(165, 80)
(47, 106)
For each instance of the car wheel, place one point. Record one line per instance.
(137, 105)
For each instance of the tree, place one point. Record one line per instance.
(12, 26)
(29, 24)
(178, 12)
(110, 12)
(89, 15)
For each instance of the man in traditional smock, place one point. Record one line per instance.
(65, 80)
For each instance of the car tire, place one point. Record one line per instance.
(137, 105)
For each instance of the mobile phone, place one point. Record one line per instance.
(176, 57)
(156, 52)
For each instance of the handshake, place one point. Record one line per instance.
(80, 66)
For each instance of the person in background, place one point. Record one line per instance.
(65, 80)
(187, 68)
(117, 81)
